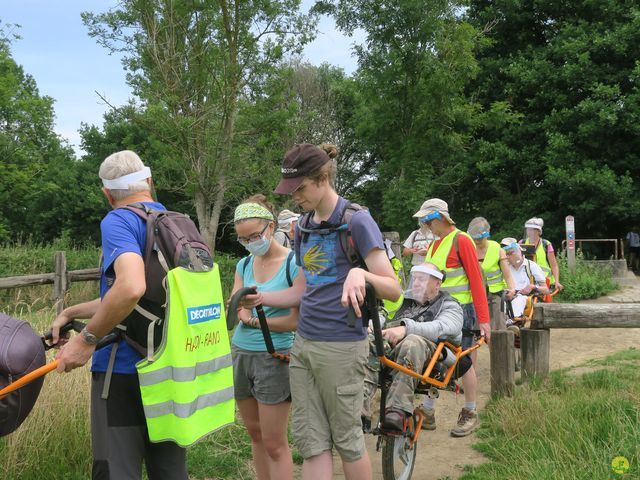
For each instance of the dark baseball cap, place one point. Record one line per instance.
(299, 162)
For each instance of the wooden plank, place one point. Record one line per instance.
(26, 280)
(570, 315)
(59, 281)
(502, 363)
(534, 346)
(85, 275)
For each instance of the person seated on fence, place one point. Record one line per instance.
(528, 277)
(427, 316)
(286, 227)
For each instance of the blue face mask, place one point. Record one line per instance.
(259, 247)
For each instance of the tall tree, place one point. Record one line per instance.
(195, 64)
(413, 115)
(568, 75)
(30, 151)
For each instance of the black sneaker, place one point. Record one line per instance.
(394, 421)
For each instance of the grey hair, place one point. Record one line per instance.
(478, 225)
(123, 163)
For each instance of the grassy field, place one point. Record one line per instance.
(570, 426)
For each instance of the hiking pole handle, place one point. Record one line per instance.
(264, 327)
(74, 325)
(234, 303)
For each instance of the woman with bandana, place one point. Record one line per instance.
(261, 382)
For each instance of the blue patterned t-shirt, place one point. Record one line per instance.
(325, 266)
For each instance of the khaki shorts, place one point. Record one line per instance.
(327, 385)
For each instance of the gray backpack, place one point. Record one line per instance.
(21, 352)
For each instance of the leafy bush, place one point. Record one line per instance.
(587, 281)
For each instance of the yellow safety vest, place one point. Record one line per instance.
(187, 387)
(541, 260)
(456, 283)
(491, 268)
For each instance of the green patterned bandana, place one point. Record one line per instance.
(251, 210)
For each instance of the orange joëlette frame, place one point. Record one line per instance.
(425, 377)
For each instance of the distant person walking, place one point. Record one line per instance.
(633, 244)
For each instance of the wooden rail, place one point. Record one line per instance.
(535, 341)
(61, 279)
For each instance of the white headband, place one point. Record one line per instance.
(532, 225)
(428, 270)
(122, 183)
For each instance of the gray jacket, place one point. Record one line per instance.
(441, 319)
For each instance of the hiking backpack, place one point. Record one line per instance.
(173, 240)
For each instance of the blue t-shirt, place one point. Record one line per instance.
(122, 231)
(325, 266)
(249, 338)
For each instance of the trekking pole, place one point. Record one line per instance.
(232, 319)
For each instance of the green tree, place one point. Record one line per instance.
(31, 155)
(412, 112)
(196, 65)
(567, 73)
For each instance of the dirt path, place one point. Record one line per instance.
(442, 457)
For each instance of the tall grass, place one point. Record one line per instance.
(568, 427)
(55, 440)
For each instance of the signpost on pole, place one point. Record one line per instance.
(571, 242)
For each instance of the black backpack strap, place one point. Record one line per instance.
(288, 268)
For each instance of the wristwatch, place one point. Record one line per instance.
(89, 337)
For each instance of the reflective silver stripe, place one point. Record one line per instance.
(493, 274)
(494, 281)
(457, 288)
(184, 374)
(185, 410)
(545, 269)
(455, 272)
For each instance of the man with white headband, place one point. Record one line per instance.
(527, 275)
(427, 316)
(120, 441)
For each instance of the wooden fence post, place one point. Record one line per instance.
(502, 363)
(534, 345)
(60, 281)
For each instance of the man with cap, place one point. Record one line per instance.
(545, 256)
(528, 276)
(119, 437)
(455, 254)
(427, 316)
(286, 228)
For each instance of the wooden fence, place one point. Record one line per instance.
(61, 278)
(535, 341)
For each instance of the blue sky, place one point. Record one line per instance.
(71, 67)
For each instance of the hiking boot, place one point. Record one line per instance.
(394, 421)
(467, 423)
(429, 422)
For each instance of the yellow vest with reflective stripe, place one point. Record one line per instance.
(187, 388)
(491, 268)
(456, 283)
(541, 260)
